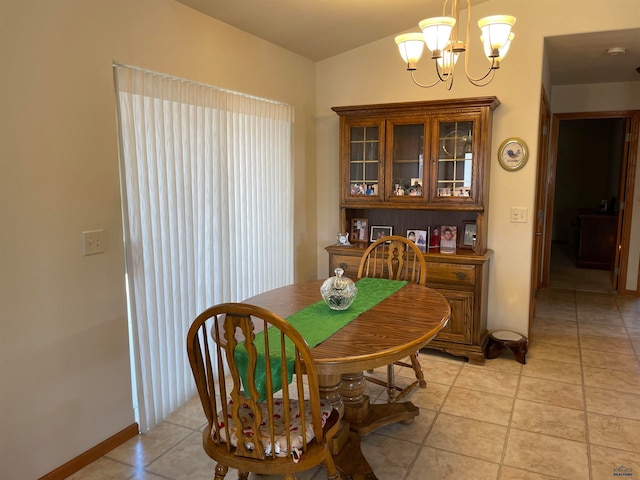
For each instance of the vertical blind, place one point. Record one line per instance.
(207, 192)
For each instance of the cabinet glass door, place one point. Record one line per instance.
(407, 160)
(364, 160)
(454, 175)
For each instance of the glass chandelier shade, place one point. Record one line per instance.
(436, 32)
(411, 46)
(495, 30)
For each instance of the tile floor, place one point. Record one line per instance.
(572, 412)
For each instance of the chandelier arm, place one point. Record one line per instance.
(422, 85)
(473, 80)
(478, 83)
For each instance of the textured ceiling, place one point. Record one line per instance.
(319, 29)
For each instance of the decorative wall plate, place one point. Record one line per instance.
(513, 154)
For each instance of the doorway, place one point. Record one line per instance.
(590, 179)
(589, 158)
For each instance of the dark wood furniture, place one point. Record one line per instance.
(342, 358)
(245, 431)
(396, 258)
(421, 165)
(501, 339)
(597, 240)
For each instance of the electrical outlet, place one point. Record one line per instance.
(93, 242)
(519, 215)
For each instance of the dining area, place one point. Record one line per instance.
(331, 332)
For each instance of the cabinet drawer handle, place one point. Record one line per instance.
(461, 276)
(343, 266)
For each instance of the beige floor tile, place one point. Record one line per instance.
(556, 310)
(549, 420)
(551, 370)
(485, 380)
(612, 361)
(476, 405)
(624, 405)
(631, 320)
(389, 458)
(547, 455)
(561, 339)
(187, 460)
(440, 465)
(634, 333)
(467, 437)
(595, 299)
(617, 380)
(614, 432)
(505, 363)
(412, 432)
(606, 344)
(601, 330)
(430, 398)
(599, 317)
(547, 351)
(104, 469)
(553, 325)
(550, 392)
(607, 462)
(435, 370)
(190, 415)
(144, 449)
(510, 473)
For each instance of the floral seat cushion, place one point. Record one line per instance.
(280, 433)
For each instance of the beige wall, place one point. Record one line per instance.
(64, 358)
(375, 74)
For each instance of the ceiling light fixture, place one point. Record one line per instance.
(440, 34)
(617, 51)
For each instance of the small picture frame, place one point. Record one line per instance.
(419, 237)
(448, 238)
(468, 236)
(378, 231)
(359, 230)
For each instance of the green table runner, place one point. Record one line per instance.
(316, 323)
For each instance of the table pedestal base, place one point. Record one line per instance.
(360, 418)
(368, 418)
(351, 462)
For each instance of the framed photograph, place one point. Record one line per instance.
(419, 237)
(379, 232)
(359, 230)
(468, 236)
(448, 238)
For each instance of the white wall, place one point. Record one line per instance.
(64, 358)
(607, 97)
(375, 74)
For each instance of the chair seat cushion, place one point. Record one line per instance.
(280, 427)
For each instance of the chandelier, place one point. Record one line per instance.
(440, 34)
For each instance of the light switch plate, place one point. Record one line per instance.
(519, 215)
(93, 242)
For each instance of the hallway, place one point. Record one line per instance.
(564, 273)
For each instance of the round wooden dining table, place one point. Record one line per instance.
(395, 328)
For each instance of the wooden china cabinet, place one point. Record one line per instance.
(419, 166)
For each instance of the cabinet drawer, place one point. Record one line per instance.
(348, 263)
(451, 273)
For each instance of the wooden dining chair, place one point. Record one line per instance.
(253, 424)
(396, 258)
